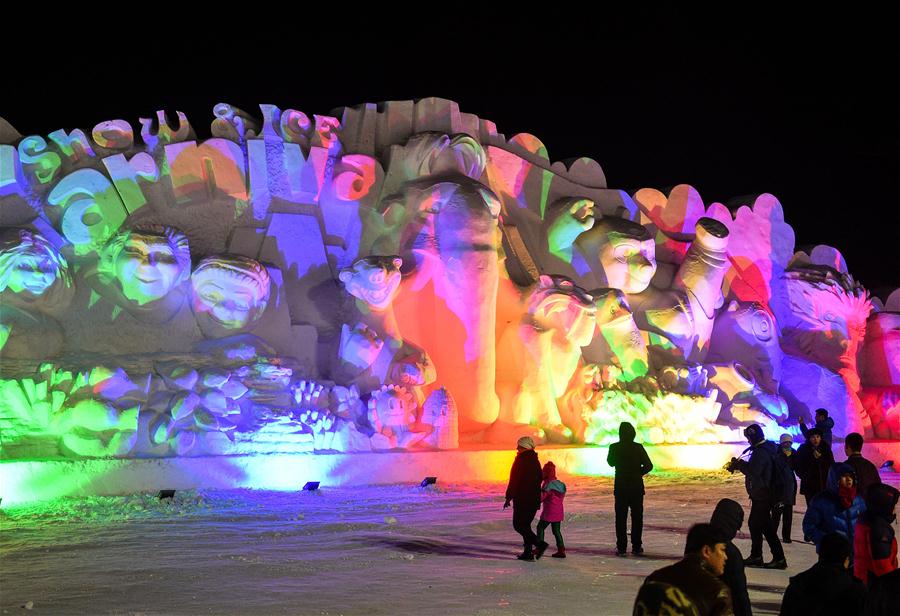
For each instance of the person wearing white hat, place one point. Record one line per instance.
(524, 491)
(786, 511)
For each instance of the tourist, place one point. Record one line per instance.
(827, 587)
(824, 423)
(875, 545)
(524, 491)
(553, 491)
(786, 511)
(866, 472)
(693, 584)
(812, 462)
(631, 462)
(835, 510)
(727, 519)
(760, 473)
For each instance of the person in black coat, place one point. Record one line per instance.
(826, 588)
(824, 424)
(812, 463)
(758, 474)
(727, 519)
(786, 511)
(631, 462)
(884, 596)
(866, 472)
(524, 491)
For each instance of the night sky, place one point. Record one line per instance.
(734, 104)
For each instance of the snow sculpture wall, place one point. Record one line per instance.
(400, 277)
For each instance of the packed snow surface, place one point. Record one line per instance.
(400, 549)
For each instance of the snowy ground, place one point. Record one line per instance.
(377, 550)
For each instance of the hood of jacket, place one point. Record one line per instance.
(881, 499)
(626, 432)
(728, 517)
(834, 476)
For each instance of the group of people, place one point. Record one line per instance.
(849, 517)
(532, 487)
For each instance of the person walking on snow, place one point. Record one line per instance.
(524, 491)
(835, 510)
(553, 491)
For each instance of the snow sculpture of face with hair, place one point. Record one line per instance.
(373, 280)
(229, 291)
(29, 264)
(147, 264)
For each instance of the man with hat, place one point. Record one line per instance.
(524, 491)
(758, 472)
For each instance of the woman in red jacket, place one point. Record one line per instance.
(874, 543)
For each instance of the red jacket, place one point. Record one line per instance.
(874, 548)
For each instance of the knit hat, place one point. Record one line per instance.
(786, 438)
(526, 442)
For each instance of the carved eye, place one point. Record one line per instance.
(624, 253)
(761, 328)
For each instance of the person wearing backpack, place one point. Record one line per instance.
(765, 483)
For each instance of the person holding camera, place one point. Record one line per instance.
(761, 480)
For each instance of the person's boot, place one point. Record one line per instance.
(776, 564)
(637, 551)
(527, 555)
(540, 548)
(559, 553)
(753, 561)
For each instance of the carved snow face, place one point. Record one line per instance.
(746, 332)
(148, 267)
(373, 280)
(29, 264)
(558, 303)
(229, 291)
(621, 253)
(393, 409)
(629, 263)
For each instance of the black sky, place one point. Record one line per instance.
(733, 102)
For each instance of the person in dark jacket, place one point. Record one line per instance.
(694, 580)
(524, 490)
(875, 546)
(884, 596)
(758, 473)
(824, 424)
(814, 459)
(835, 510)
(727, 519)
(786, 511)
(631, 462)
(866, 472)
(826, 588)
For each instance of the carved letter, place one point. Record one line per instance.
(93, 211)
(11, 180)
(113, 134)
(197, 171)
(38, 160)
(126, 173)
(357, 181)
(164, 133)
(67, 143)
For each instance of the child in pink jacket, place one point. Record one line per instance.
(552, 493)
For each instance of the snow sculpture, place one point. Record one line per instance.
(439, 412)
(560, 320)
(445, 222)
(35, 284)
(229, 294)
(547, 302)
(372, 352)
(392, 413)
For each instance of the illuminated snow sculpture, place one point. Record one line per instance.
(372, 352)
(229, 294)
(350, 272)
(35, 286)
